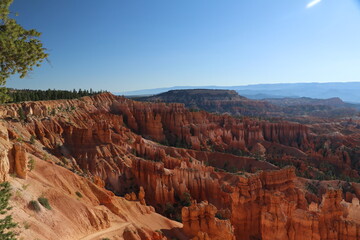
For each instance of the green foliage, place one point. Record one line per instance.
(173, 210)
(20, 49)
(169, 210)
(34, 205)
(53, 112)
(32, 139)
(185, 200)
(230, 169)
(31, 164)
(21, 95)
(21, 113)
(220, 216)
(6, 223)
(4, 97)
(64, 161)
(45, 202)
(312, 188)
(79, 194)
(25, 186)
(27, 225)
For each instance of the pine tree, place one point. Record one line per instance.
(6, 223)
(20, 49)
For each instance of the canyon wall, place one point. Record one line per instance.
(167, 151)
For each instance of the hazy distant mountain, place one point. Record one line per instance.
(348, 92)
(229, 101)
(292, 102)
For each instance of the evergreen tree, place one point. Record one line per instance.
(6, 223)
(20, 49)
(37, 95)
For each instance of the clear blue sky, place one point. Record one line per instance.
(122, 45)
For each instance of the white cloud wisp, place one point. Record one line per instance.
(313, 3)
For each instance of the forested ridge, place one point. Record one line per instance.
(21, 95)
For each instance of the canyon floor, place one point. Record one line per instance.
(115, 168)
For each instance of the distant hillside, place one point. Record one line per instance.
(292, 102)
(229, 101)
(196, 95)
(348, 92)
(220, 101)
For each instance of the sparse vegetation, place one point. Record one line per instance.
(21, 113)
(18, 194)
(44, 202)
(78, 194)
(185, 199)
(32, 139)
(312, 188)
(64, 161)
(35, 206)
(31, 164)
(6, 223)
(27, 225)
(220, 216)
(169, 210)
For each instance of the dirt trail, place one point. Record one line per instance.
(116, 228)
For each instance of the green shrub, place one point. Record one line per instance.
(312, 188)
(34, 205)
(32, 139)
(45, 202)
(27, 225)
(220, 216)
(79, 194)
(6, 222)
(21, 113)
(169, 209)
(64, 161)
(185, 199)
(31, 164)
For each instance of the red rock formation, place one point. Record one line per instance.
(4, 160)
(18, 161)
(141, 196)
(103, 138)
(200, 223)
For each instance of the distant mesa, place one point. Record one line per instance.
(347, 91)
(229, 101)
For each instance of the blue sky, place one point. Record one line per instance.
(123, 45)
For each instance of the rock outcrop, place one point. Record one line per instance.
(200, 223)
(18, 161)
(167, 151)
(4, 165)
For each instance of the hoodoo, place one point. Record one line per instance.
(114, 162)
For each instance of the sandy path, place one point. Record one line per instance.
(113, 229)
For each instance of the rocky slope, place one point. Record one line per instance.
(80, 207)
(157, 153)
